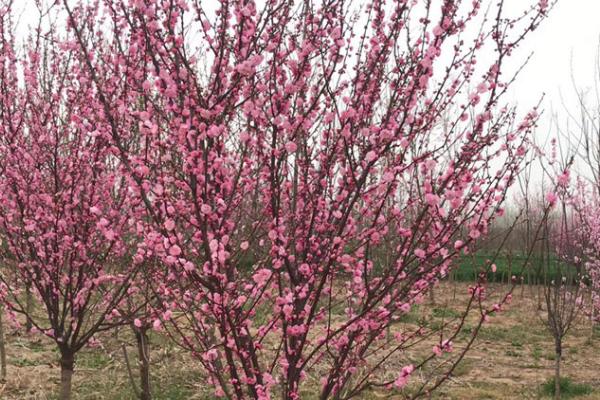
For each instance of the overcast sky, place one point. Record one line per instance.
(572, 29)
(564, 45)
(568, 38)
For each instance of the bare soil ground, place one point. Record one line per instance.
(512, 356)
(514, 353)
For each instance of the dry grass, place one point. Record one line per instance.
(512, 357)
(514, 354)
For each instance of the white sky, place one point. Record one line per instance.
(572, 29)
(565, 44)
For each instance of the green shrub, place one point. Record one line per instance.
(568, 388)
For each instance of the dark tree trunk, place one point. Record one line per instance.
(2, 348)
(144, 363)
(557, 369)
(28, 307)
(67, 364)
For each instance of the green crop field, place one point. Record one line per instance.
(530, 270)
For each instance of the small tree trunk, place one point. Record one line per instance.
(454, 288)
(592, 317)
(67, 364)
(2, 348)
(592, 325)
(144, 363)
(557, 369)
(28, 307)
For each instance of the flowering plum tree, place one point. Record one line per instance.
(585, 203)
(582, 134)
(560, 253)
(63, 211)
(280, 148)
(304, 170)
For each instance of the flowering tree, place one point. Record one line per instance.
(585, 204)
(304, 171)
(560, 253)
(63, 211)
(582, 134)
(275, 167)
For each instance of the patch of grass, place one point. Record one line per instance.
(463, 368)
(481, 390)
(516, 335)
(173, 392)
(512, 353)
(444, 312)
(495, 333)
(572, 350)
(568, 388)
(435, 325)
(93, 360)
(516, 343)
(466, 331)
(412, 317)
(180, 386)
(596, 332)
(23, 362)
(36, 347)
(533, 366)
(468, 268)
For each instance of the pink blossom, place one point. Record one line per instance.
(189, 266)
(95, 210)
(474, 233)
(402, 379)
(169, 225)
(261, 276)
(175, 250)
(291, 147)
(563, 179)
(371, 156)
(420, 253)
(551, 198)
(109, 234)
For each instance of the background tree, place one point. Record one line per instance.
(271, 157)
(563, 291)
(303, 145)
(63, 210)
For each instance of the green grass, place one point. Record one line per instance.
(465, 366)
(446, 313)
(596, 332)
(173, 392)
(412, 317)
(512, 353)
(23, 362)
(531, 270)
(93, 360)
(568, 388)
